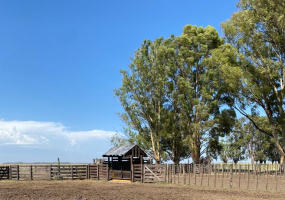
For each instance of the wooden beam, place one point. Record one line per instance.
(132, 169)
(108, 169)
(31, 172)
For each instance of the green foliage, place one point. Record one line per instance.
(169, 95)
(252, 64)
(176, 88)
(142, 97)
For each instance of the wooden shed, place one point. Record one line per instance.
(122, 159)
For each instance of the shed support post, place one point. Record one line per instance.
(108, 176)
(98, 171)
(132, 169)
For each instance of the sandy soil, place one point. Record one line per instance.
(90, 189)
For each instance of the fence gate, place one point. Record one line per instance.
(153, 173)
(4, 172)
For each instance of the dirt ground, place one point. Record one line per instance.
(90, 189)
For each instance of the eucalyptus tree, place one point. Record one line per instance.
(191, 91)
(236, 142)
(252, 64)
(171, 98)
(142, 96)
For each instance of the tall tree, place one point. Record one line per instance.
(236, 142)
(142, 96)
(170, 97)
(252, 63)
(190, 86)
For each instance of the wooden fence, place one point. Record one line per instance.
(57, 172)
(257, 176)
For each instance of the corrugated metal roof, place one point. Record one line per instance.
(118, 151)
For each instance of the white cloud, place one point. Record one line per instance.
(12, 136)
(45, 134)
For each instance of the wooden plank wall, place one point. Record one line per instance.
(137, 173)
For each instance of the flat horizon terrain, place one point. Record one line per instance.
(90, 189)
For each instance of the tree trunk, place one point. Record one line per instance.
(176, 161)
(277, 145)
(252, 159)
(195, 154)
(282, 156)
(282, 159)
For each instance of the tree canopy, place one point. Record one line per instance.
(181, 94)
(252, 64)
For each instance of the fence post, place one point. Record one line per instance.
(252, 168)
(276, 176)
(266, 176)
(108, 172)
(202, 173)
(280, 172)
(50, 172)
(239, 176)
(10, 172)
(58, 163)
(168, 173)
(209, 168)
(223, 171)
(31, 172)
(18, 173)
(219, 166)
(248, 173)
(231, 175)
(184, 175)
(143, 172)
(165, 174)
(244, 170)
(178, 166)
(171, 173)
(98, 171)
(189, 168)
(71, 172)
(257, 170)
(194, 174)
(215, 175)
(174, 173)
(87, 171)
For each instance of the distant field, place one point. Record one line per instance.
(88, 189)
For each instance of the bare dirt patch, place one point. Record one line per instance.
(90, 189)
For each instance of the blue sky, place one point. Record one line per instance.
(60, 62)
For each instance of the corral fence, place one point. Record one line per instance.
(54, 172)
(246, 176)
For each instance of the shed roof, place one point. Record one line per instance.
(125, 150)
